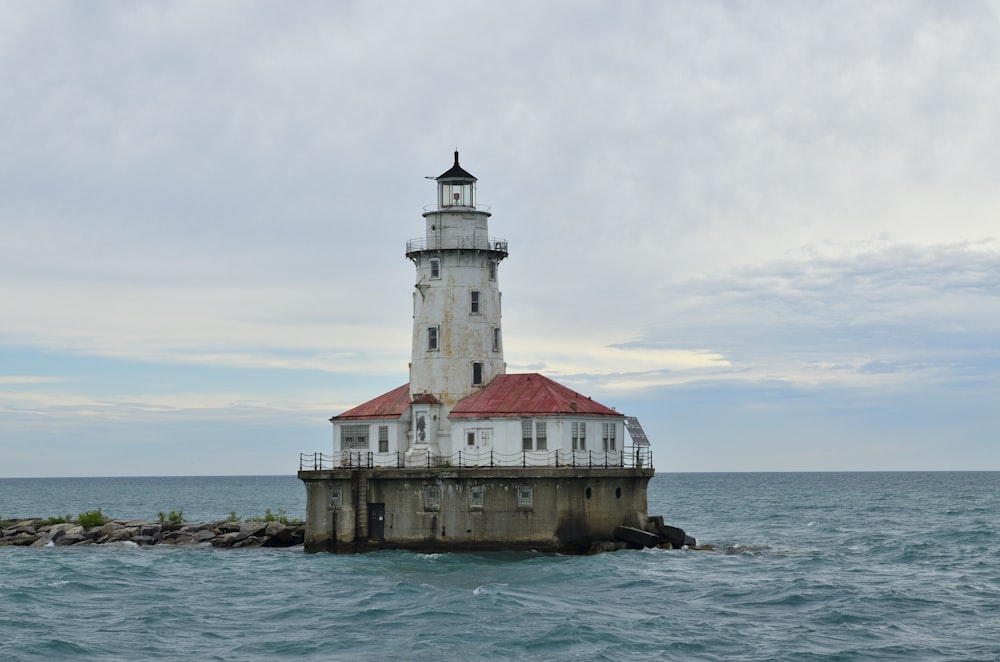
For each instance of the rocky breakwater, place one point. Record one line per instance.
(36, 532)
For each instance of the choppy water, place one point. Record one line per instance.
(853, 566)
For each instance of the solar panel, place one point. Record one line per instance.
(635, 431)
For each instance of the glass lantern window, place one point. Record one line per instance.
(458, 194)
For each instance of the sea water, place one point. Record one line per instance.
(806, 566)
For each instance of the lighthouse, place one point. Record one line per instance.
(457, 345)
(465, 455)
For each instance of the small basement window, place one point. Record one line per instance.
(476, 496)
(432, 497)
(524, 496)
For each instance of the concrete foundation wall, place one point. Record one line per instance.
(554, 509)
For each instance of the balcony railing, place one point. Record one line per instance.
(451, 243)
(637, 457)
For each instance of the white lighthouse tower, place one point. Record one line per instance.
(457, 343)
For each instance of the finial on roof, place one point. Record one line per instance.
(456, 157)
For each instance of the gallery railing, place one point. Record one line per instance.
(628, 457)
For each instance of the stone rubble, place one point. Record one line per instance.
(33, 532)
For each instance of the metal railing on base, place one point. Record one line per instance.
(637, 457)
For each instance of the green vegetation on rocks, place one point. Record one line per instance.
(91, 518)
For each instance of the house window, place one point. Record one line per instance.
(526, 440)
(435, 268)
(470, 438)
(474, 302)
(432, 497)
(383, 439)
(541, 436)
(476, 496)
(477, 373)
(354, 437)
(608, 436)
(432, 338)
(493, 270)
(579, 436)
(524, 496)
(496, 339)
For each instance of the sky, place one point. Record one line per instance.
(769, 230)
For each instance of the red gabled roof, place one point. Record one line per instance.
(388, 405)
(527, 395)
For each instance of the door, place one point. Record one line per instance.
(376, 521)
(485, 438)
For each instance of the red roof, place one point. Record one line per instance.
(388, 405)
(527, 395)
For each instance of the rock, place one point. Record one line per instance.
(150, 530)
(636, 536)
(203, 535)
(123, 534)
(672, 535)
(251, 529)
(71, 539)
(279, 535)
(225, 540)
(225, 533)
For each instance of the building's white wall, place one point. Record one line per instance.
(506, 441)
(398, 429)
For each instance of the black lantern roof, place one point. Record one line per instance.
(456, 172)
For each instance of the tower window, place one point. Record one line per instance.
(579, 436)
(608, 436)
(496, 339)
(435, 268)
(493, 269)
(432, 338)
(354, 437)
(477, 373)
(474, 302)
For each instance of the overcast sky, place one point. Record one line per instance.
(767, 229)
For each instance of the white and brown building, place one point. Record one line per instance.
(464, 455)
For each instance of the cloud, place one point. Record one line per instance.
(698, 196)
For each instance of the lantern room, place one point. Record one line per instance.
(456, 187)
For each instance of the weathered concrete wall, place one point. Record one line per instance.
(557, 509)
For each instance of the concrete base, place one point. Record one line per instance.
(541, 508)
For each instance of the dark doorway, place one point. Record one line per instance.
(376, 521)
